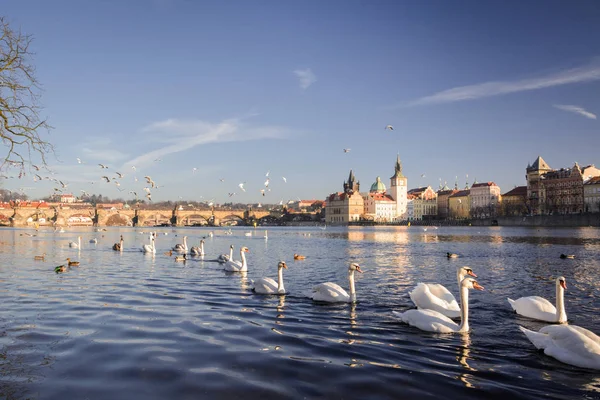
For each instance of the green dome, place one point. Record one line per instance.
(378, 186)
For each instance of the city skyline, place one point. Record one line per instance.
(191, 94)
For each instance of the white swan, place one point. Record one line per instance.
(266, 237)
(118, 246)
(569, 344)
(223, 258)
(332, 293)
(149, 248)
(268, 285)
(198, 250)
(433, 321)
(539, 308)
(433, 296)
(237, 266)
(76, 244)
(181, 247)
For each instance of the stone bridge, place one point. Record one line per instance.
(26, 216)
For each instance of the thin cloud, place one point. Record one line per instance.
(181, 135)
(576, 110)
(587, 73)
(306, 77)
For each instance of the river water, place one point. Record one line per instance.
(132, 326)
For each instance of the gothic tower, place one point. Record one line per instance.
(398, 190)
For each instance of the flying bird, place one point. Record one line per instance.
(231, 194)
(285, 180)
(119, 174)
(133, 167)
(262, 191)
(78, 160)
(158, 159)
(267, 174)
(267, 182)
(241, 185)
(347, 150)
(422, 175)
(102, 166)
(106, 178)
(194, 170)
(222, 180)
(391, 128)
(150, 181)
(36, 167)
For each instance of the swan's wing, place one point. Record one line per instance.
(572, 345)
(265, 285)
(425, 299)
(329, 291)
(441, 292)
(535, 307)
(428, 320)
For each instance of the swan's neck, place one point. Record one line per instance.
(243, 258)
(352, 288)
(280, 287)
(202, 248)
(561, 314)
(464, 309)
(185, 242)
(459, 276)
(231, 253)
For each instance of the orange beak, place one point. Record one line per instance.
(284, 265)
(358, 269)
(247, 251)
(563, 284)
(471, 273)
(477, 286)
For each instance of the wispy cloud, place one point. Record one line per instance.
(576, 110)
(181, 135)
(586, 73)
(306, 76)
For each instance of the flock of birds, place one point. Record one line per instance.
(436, 305)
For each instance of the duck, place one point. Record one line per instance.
(223, 258)
(570, 256)
(181, 247)
(299, 257)
(181, 258)
(330, 292)
(198, 250)
(451, 255)
(42, 257)
(76, 244)
(61, 268)
(94, 241)
(433, 321)
(72, 263)
(536, 307)
(268, 285)
(433, 296)
(149, 248)
(237, 266)
(169, 253)
(118, 246)
(569, 344)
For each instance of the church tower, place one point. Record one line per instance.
(398, 190)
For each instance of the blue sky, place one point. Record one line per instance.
(238, 88)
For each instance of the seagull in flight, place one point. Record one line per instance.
(267, 182)
(79, 160)
(391, 128)
(158, 160)
(102, 166)
(347, 150)
(36, 167)
(222, 180)
(262, 191)
(194, 170)
(119, 174)
(241, 185)
(267, 174)
(422, 175)
(133, 167)
(285, 180)
(106, 178)
(231, 194)
(150, 181)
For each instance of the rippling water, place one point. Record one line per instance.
(129, 325)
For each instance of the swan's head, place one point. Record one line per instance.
(245, 249)
(282, 264)
(231, 247)
(562, 282)
(355, 267)
(202, 241)
(471, 283)
(467, 271)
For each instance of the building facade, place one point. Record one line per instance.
(536, 194)
(379, 206)
(399, 190)
(424, 200)
(443, 201)
(347, 206)
(485, 199)
(591, 195)
(514, 202)
(459, 205)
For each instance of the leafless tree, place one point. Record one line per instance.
(20, 120)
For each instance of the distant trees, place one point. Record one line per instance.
(20, 120)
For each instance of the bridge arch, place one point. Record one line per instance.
(232, 219)
(119, 220)
(195, 219)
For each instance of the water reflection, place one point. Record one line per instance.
(463, 359)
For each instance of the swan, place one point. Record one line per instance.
(570, 344)
(182, 247)
(149, 248)
(223, 258)
(198, 251)
(237, 266)
(539, 308)
(433, 321)
(332, 293)
(118, 246)
(266, 237)
(433, 296)
(268, 285)
(76, 244)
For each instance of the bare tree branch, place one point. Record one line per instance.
(20, 121)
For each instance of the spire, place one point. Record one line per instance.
(398, 168)
(456, 183)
